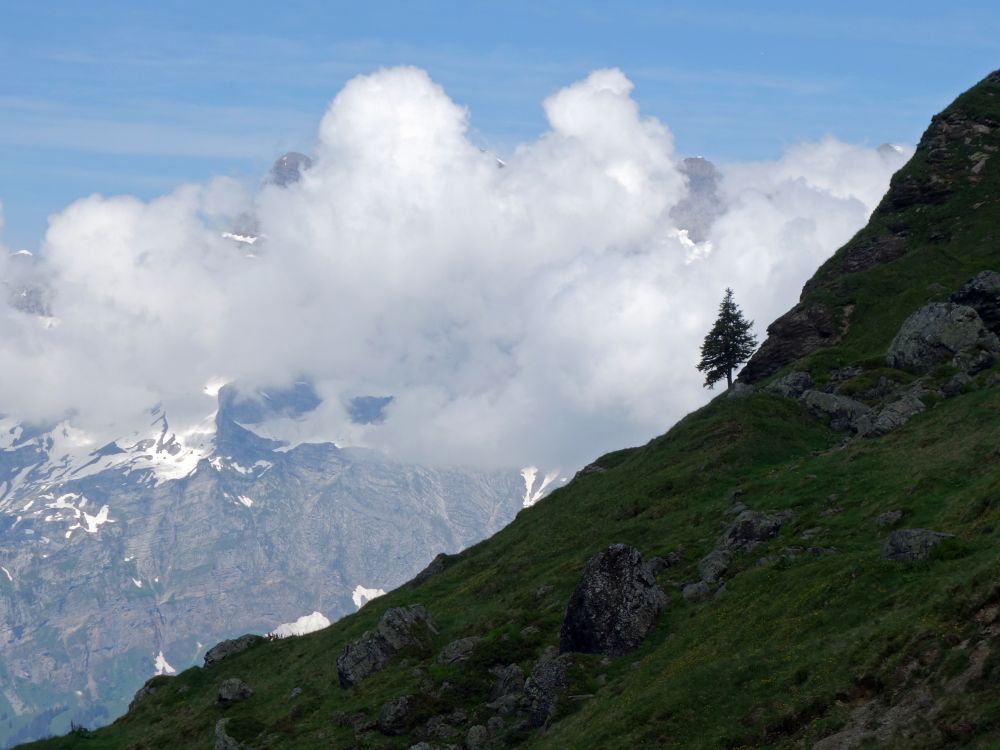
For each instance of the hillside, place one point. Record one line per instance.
(797, 608)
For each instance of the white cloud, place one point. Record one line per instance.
(537, 314)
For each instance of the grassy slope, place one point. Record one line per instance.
(788, 649)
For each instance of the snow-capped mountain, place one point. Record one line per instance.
(128, 559)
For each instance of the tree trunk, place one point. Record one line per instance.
(729, 378)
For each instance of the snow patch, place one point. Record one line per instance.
(305, 624)
(137, 582)
(246, 500)
(362, 596)
(161, 665)
(533, 493)
(7, 573)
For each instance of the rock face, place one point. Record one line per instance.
(940, 332)
(399, 627)
(792, 385)
(231, 647)
(714, 565)
(233, 690)
(434, 567)
(889, 518)
(893, 415)
(803, 329)
(615, 605)
(912, 544)
(142, 693)
(982, 294)
(509, 681)
(222, 739)
(459, 650)
(547, 682)
(699, 209)
(288, 169)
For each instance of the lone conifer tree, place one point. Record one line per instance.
(728, 344)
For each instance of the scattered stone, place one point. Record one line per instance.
(912, 544)
(225, 649)
(844, 413)
(357, 721)
(392, 717)
(222, 740)
(398, 628)
(434, 567)
(439, 728)
(956, 385)
(459, 650)
(714, 565)
(993, 380)
(232, 691)
(822, 551)
(477, 737)
(810, 533)
(529, 631)
(940, 332)
(750, 528)
(736, 508)
(982, 294)
(509, 681)
(421, 746)
(615, 605)
(547, 682)
(296, 692)
(696, 592)
(494, 725)
(542, 591)
(889, 518)
(792, 385)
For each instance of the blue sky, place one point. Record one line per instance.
(120, 97)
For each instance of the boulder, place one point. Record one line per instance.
(942, 332)
(225, 649)
(792, 385)
(459, 650)
(955, 385)
(394, 715)
(749, 529)
(434, 567)
(398, 628)
(615, 605)
(222, 740)
(477, 737)
(547, 682)
(714, 565)
(889, 518)
(844, 413)
(894, 415)
(982, 294)
(509, 681)
(912, 544)
(696, 592)
(233, 690)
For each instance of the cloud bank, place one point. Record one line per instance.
(539, 312)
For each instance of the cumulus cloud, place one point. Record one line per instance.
(536, 313)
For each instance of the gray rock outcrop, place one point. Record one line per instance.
(615, 605)
(547, 682)
(394, 716)
(982, 294)
(696, 592)
(792, 385)
(399, 627)
(509, 681)
(225, 649)
(714, 565)
(459, 650)
(222, 739)
(893, 415)
(233, 690)
(844, 413)
(434, 567)
(889, 518)
(144, 692)
(912, 544)
(750, 528)
(941, 332)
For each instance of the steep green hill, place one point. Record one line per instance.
(809, 636)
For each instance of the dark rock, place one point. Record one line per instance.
(844, 413)
(459, 650)
(547, 682)
(615, 605)
(739, 390)
(433, 568)
(394, 715)
(750, 528)
(956, 385)
(356, 721)
(736, 509)
(696, 592)
(509, 681)
(222, 739)
(296, 692)
(792, 385)
(865, 253)
(940, 332)
(422, 746)
(288, 169)
(889, 518)
(225, 649)
(439, 728)
(802, 330)
(542, 591)
(494, 725)
(233, 690)
(398, 628)
(589, 469)
(658, 564)
(912, 544)
(713, 565)
(982, 294)
(477, 737)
